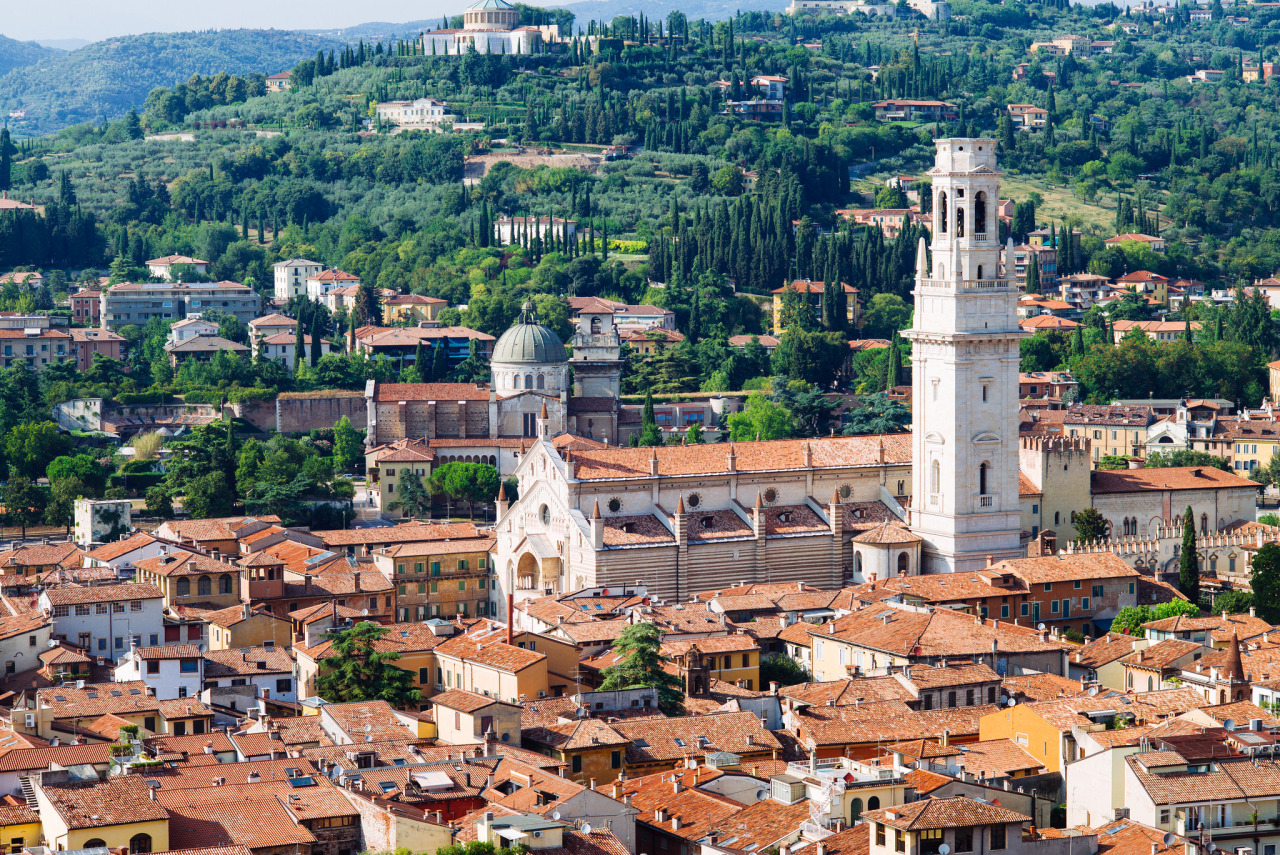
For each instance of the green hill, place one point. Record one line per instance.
(16, 54)
(105, 79)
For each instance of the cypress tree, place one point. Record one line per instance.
(315, 339)
(6, 163)
(298, 355)
(1188, 560)
(420, 360)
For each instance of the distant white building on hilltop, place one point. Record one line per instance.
(934, 10)
(489, 26)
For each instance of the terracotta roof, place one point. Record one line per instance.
(103, 593)
(260, 815)
(737, 643)
(761, 826)
(484, 543)
(1243, 625)
(1064, 568)
(42, 555)
(247, 661)
(1127, 837)
(1041, 687)
(111, 551)
(176, 651)
(463, 701)
(116, 801)
(888, 533)
(955, 812)
(930, 633)
(402, 533)
(659, 740)
(1162, 654)
(26, 759)
(391, 392)
(1227, 780)
(577, 734)
(997, 758)
(275, 319)
(1104, 650)
(766, 456)
(1165, 478)
(885, 721)
(700, 812)
(488, 648)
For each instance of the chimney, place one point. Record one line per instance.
(675, 823)
(592, 784)
(254, 777)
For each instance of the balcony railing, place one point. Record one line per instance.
(986, 500)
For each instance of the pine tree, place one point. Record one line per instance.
(1189, 560)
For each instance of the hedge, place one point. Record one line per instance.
(150, 397)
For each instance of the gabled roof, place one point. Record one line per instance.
(955, 812)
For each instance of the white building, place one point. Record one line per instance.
(104, 620)
(281, 347)
(419, 113)
(190, 328)
(515, 229)
(162, 268)
(268, 671)
(965, 375)
(101, 520)
(291, 277)
(22, 639)
(269, 325)
(325, 281)
(170, 672)
(489, 26)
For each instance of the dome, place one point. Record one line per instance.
(492, 4)
(529, 342)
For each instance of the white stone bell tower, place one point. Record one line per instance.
(964, 498)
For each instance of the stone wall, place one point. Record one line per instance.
(300, 412)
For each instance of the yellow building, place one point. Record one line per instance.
(440, 579)
(387, 464)
(731, 658)
(20, 826)
(242, 626)
(118, 813)
(411, 309)
(649, 342)
(591, 748)
(812, 293)
(1101, 659)
(187, 578)
(463, 718)
(481, 661)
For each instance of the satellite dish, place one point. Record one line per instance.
(555, 814)
(761, 794)
(1169, 838)
(1212, 848)
(202, 647)
(1012, 702)
(368, 728)
(1041, 627)
(1093, 691)
(1004, 699)
(944, 849)
(364, 612)
(586, 828)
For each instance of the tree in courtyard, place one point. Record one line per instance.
(1189, 559)
(650, 433)
(1264, 578)
(1090, 525)
(61, 509)
(346, 445)
(640, 645)
(356, 670)
(413, 497)
(878, 414)
(784, 671)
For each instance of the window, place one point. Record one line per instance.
(179, 728)
(462, 584)
(204, 587)
(100, 609)
(400, 569)
(615, 760)
(899, 840)
(182, 691)
(1024, 609)
(153, 666)
(1084, 604)
(435, 568)
(184, 587)
(117, 608)
(997, 836)
(930, 841)
(1097, 591)
(951, 700)
(1004, 611)
(879, 834)
(1053, 606)
(189, 666)
(964, 839)
(224, 583)
(82, 611)
(284, 684)
(577, 763)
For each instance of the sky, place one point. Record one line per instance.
(95, 19)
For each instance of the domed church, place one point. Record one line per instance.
(530, 394)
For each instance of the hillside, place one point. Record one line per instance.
(712, 10)
(105, 79)
(16, 54)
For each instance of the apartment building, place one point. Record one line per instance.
(139, 302)
(291, 277)
(35, 347)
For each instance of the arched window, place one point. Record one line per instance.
(224, 583)
(595, 326)
(904, 563)
(935, 477)
(982, 478)
(980, 276)
(980, 215)
(942, 211)
(855, 810)
(184, 587)
(541, 382)
(1204, 523)
(204, 587)
(873, 803)
(95, 843)
(959, 221)
(140, 843)
(528, 381)
(1151, 684)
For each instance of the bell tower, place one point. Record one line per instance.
(964, 498)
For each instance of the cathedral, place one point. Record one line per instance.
(825, 511)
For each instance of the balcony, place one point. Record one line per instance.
(985, 500)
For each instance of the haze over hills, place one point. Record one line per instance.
(711, 10)
(106, 78)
